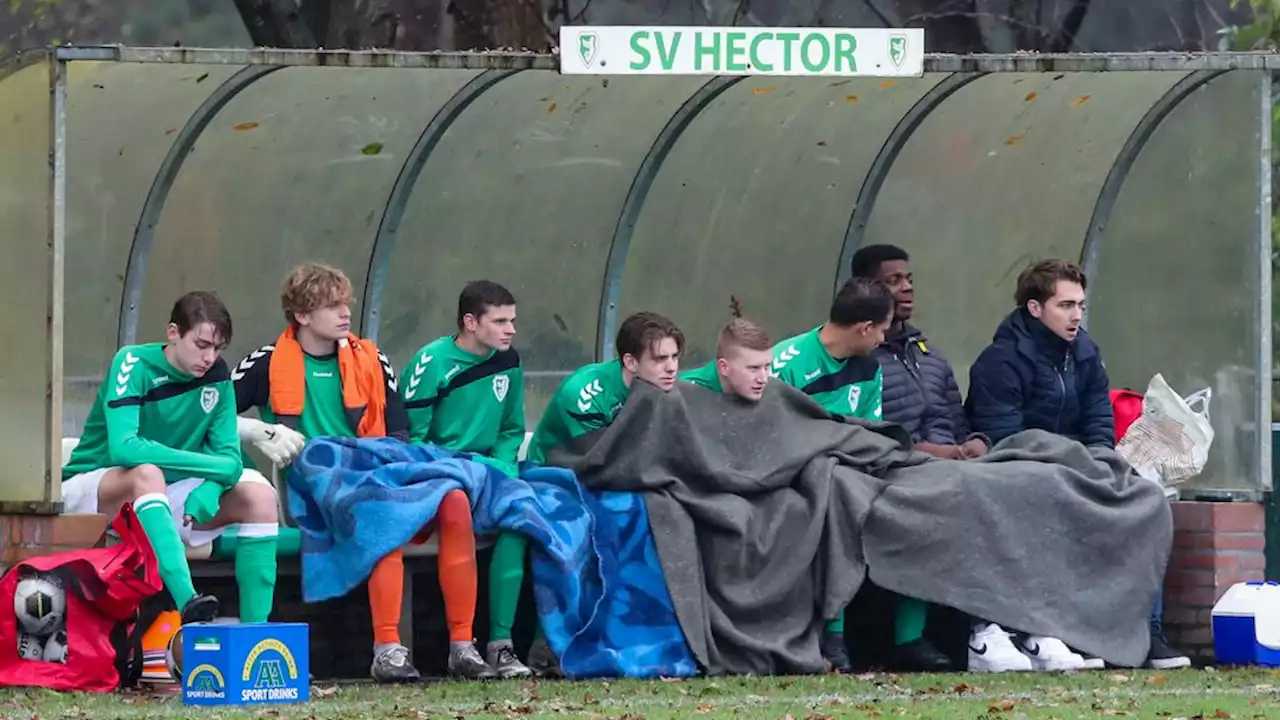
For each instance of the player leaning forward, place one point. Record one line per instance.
(162, 435)
(321, 380)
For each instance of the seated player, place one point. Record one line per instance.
(648, 347)
(834, 364)
(320, 380)
(465, 391)
(741, 367)
(162, 435)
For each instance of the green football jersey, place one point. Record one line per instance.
(463, 401)
(147, 412)
(707, 376)
(323, 413)
(587, 400)
(851, 386)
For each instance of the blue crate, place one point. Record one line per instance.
(246, 663)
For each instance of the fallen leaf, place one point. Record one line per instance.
(1080, 100)
(1221, 714)
(245, 126)
(1031, 96)
(551, 108)
(1159, 680)
(821, 143)
(706, 708)
(372, 148)
(764, 90)
(960, 689)
(851, 99)
(1014, 139)
(865, 677)
(888, 84)
(589, 699)
(670, 679)
(1117, 677)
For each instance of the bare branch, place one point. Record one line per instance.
(919, 18)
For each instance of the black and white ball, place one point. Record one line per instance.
(40, 603)
(30, 647)
(55, 648)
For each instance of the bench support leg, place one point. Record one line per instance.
(406, 612)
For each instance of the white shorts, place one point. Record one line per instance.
(80, 495)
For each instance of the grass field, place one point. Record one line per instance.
(1198, 694)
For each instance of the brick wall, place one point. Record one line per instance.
(27, 536)
(1215, 545)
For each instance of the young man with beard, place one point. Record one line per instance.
(162, 435)
(465, 391)
(921, 395)
(741, 367)
(320, 380)
(833, 364)
(1043, 371)
(648, 347)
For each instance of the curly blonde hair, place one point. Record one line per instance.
(312, 286)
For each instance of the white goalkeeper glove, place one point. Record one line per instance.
(279, 443)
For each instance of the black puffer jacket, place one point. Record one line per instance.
(920, 391)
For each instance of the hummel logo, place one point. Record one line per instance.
(419, 368)
(812, 375)
(587, 395)
(122, 377)
(980, 651)
(452, 371)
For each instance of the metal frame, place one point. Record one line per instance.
(1263, 297)
(1128, 155)
(56, 301)
(880, 167)
(384, 243)
(509, 60)
(144, 235)
(266, 60)
(641, 183)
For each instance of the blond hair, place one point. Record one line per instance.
(312, 286)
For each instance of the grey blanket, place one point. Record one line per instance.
(769, 516)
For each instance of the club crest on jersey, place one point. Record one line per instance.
(501, 384)
(855, 392)
(209, 398)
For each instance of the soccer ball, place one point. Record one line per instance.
(173, 657)
(55, 648)
(30, 647)
(40, 603)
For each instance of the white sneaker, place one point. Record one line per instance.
(990, 650)
(1047, 653)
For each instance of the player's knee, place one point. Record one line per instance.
(455, 508)
(144, 480)
(258, 495)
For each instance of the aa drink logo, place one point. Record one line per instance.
(206, 682)
(270, 667)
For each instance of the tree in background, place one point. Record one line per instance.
(950, 25)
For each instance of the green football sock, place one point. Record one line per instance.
(836, 625)
(506, 575)
(288, 543)
(256, 570)
(157, 522)
(909, 623)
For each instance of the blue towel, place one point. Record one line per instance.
(620, 621)
(601, 597)
(357, 499)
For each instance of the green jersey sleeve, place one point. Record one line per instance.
(420, 387)
(511, 432)
(126, 448)
(223, 440)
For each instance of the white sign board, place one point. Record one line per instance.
(821, 52)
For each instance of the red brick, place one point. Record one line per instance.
(77, 531)
(1197, 597)
(33, 530)
(1194, 637)
(1186, 540)
(1181, 615)
(11, 525)
(1239, 517)
(1225, 578)
(1188, 578)
(1256, 542)
(1193, 516)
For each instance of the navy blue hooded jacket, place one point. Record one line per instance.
(1029, 377)
(920, 391)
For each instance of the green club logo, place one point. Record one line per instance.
(897, 49)
(588, 47)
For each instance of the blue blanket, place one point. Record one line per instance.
(621, 621)
(601, 596)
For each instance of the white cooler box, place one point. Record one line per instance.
(1246, 625)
